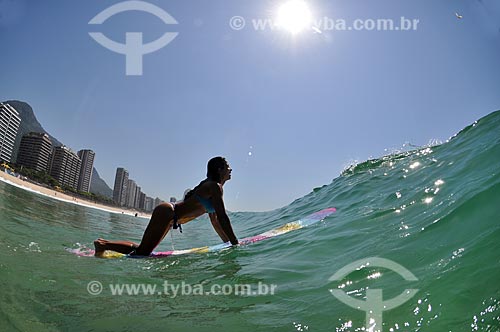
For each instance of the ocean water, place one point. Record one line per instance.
(434, 210)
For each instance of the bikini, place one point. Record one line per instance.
(203, 201)
(176, 224)
(206, 203)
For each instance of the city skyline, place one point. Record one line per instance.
(127, 193)
(289, 111)
(37, 153)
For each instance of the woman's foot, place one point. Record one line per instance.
(100, 247)
(123, 247)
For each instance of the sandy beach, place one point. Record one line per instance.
(50, 193)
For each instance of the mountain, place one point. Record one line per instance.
(98, 186)
(30, 123)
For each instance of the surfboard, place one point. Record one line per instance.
(288, 227)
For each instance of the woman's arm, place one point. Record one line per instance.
(217, 227)
(220, 210)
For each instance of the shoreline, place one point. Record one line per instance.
(62, 197)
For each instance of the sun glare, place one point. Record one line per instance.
(294, 16)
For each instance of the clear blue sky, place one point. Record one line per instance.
(305, 106)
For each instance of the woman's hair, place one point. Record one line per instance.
(213, 167)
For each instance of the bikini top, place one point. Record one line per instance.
(206, 203)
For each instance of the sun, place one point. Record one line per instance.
(294, 16)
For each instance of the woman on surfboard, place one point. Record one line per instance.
(204, 198)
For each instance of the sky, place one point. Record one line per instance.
(288, 110)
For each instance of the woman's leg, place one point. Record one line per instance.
(124, 247)
(160, 223)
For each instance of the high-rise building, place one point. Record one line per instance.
(9, 126)
(120, 188)
(35, 151)
(148, 205)
(142, 201)
(138, 192)
(157, 202)
(130, 195)
(87, 158)
(65, 166)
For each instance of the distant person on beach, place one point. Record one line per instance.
(206, 197)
